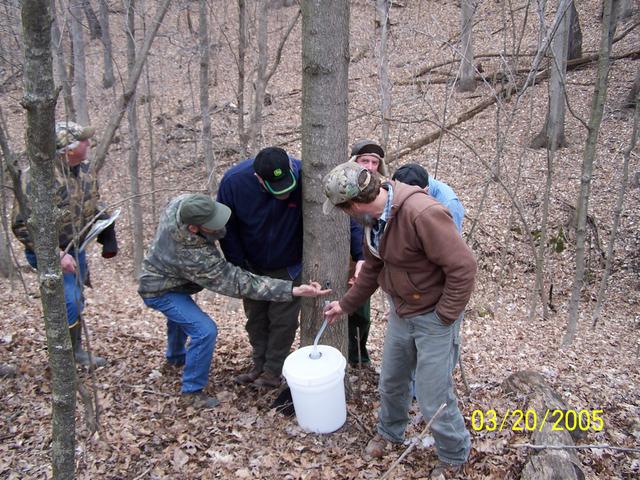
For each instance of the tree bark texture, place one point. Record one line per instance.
(582, 204)
(58, 51)
(40, 101)
(575, 34)
(467, 82)
(552, 134)
(382, 7)
(79, 64)
(260, 82)
(325, 69)
(242, 50)
(207, 144)
(107, 76)
(134, 147)
(95, 29)
(631, 100)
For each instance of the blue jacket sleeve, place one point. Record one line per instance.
(231, 245)
(357, 237)
(457, 212)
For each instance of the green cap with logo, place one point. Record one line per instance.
(274, 168)
(201, 210)
(344, 183)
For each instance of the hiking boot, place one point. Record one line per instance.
(443, 471)
(248, 377)
(376, 446)
(7, 370)
(200, 400)
(267, 380)
(82, 357)
(171, 368)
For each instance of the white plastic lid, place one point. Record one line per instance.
(300, 368)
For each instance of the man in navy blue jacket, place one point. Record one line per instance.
(264, 236)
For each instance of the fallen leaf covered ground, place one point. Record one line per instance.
(144, 430)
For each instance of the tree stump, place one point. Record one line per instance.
(546, 464)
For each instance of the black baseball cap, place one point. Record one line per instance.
(412, 174)
(274, 167)
(362, 147)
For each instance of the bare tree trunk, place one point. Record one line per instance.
(130, 87)
(134, 147)
(242, 49)
(207, 143)
(552, 134)
(79, 65)
(40, 101)
(6, 263)
(325, 68)
(58, 51)
(95, 30)
(260, 84)
(617, 213)
(597, 107)
(631, 100)
(107, 55)
(150, 130)
(467, 82)
(575, 34)
(624, 9)
(382, 7)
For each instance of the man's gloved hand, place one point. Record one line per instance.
(109, 241)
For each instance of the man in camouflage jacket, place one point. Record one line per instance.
(185, 259)
(78, 200)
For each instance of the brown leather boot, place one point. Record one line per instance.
(199, 400)
(248, 377)
(267, 380)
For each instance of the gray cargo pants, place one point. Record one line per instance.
(272, 326)
(427, 344)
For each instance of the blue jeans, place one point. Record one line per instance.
(186, 319)
(428, 345)
(72, 284)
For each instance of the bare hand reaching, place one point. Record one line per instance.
(332, 312)
(67, 262)
(311, 289)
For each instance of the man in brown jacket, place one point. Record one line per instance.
(415, 254)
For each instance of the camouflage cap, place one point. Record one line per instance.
(344, 183)
(68, 134)
(201, 210)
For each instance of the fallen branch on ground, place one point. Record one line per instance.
(413, 444)
(575, 447)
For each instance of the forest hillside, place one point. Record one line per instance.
(478, 142)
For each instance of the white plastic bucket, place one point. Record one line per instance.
(317, 388)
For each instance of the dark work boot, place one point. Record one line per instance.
(82, 356)
(248, 377)
(267, 380)
(199, 400)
